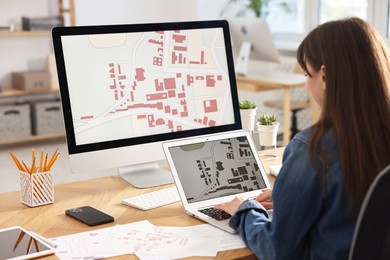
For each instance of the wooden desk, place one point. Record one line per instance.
(105, 194)
(263, 81)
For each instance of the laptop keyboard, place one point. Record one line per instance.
(216, 213)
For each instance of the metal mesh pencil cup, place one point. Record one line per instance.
(36, 189)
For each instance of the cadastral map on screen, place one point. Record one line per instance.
(215, 169)
(144, 83)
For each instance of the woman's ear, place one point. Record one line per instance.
(323, 76)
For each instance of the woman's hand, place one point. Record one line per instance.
(231, 206)
(265, 198)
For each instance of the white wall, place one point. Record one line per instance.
(90, 12)
(22, 53)
(29, 53)
(209, 9)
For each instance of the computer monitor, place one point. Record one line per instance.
(125, 89)
(252, 39)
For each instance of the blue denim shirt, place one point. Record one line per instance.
(311, 216)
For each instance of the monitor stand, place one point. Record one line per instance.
(243, 59)
(145, 175)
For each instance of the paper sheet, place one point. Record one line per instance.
(180, 242)
(147, 242)
(94, 244)
(81, 245)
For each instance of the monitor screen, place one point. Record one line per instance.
(252, 39)
(125, 89)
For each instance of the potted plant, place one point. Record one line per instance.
(268, 126)
(258, 8)
(248, 115)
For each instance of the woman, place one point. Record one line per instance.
(327, 168)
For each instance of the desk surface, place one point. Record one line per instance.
(105, 194)
(270, 81)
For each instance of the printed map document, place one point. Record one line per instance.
(146, 241)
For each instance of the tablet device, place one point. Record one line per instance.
(17, 243)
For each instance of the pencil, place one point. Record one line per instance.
(32, 170)
(16, 160)
(32, 154)
(52, 157)
(41, 161)
(26, 167)
(52, 162)
(45, 163)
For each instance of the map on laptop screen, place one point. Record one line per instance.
(217, 168)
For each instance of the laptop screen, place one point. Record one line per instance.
(217, 168)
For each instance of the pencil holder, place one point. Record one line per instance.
(36, 189)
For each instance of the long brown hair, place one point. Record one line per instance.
(357, 98)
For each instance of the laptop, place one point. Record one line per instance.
(214, 169)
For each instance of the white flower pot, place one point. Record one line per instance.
(248, 117)
(268, 134)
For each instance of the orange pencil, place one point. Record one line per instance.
(41, 161)
(53, 156)
(26, 167)
(32, 154)
(32, 170)
(17, 162)
(45, 163)
(52, 162)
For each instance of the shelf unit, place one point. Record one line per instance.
(10, 93)
(15, 92)
(65, 8)
(69, 10)
(32, 138)
(24, 33)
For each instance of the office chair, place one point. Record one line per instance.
(371, 239)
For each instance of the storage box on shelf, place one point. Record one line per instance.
(31, 80)
(47, 118)
(15, 121)
(5, 139)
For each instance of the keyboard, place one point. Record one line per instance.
(216, 213)
(153, 199)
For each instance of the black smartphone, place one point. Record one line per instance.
(89, 215)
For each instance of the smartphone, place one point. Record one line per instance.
(89, 215)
